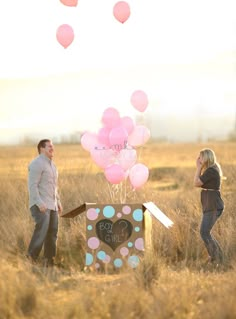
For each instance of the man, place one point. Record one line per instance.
(44, 203)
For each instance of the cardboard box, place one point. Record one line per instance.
(117, 233)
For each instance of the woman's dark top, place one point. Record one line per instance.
(210, 195)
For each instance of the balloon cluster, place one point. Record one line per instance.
(65, 33)
(113, 147)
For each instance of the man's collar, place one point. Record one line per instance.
(45, 157)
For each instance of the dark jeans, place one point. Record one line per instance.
(45, 233)
(212, 246)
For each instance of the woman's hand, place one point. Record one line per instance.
(196, 181)
(199, 162)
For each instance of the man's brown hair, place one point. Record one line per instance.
(42, 144)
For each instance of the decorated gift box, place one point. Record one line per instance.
(116, 234)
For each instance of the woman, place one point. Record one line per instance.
(208, 176)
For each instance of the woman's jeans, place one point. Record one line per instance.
(45, 233)
(212, 246)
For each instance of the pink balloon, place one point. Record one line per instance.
(111, 117)
(65, 35)
(139, 100)
(138, 175)
(103, 157)
(121, 11)
(127, 158)
(70, 3)
(127, 123)
(114, 174)
(103, 135)
(118, 138)
(139, 136)
(89, 141)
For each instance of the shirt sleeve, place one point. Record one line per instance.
(57, 192)
(58, 197)
(207, 175)
(35, 172)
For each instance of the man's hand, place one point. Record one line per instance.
(60, 209)
(42, 208)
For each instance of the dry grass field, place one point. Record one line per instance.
(172, 282)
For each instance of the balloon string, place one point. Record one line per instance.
(125, 190)
(110, 192)
(118, 191)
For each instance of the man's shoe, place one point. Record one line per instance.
(31, 259)
(48, 262)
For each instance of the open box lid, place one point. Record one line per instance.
(78, 210)
(150, 206)
(158, 214)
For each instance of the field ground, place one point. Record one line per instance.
(172, 282)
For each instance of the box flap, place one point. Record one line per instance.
(156, 212)
(75, 211)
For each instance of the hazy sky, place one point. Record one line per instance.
(181, 53)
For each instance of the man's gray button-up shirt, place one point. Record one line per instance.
(42, 183)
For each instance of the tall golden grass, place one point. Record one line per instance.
(172, 282)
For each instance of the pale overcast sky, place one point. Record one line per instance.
(181, 53)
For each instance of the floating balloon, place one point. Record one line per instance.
(103, 157)
(89, 141)
(127, 158)
(121, 11)
(118, 138)
(139, 136)
(114, 174)
(127, 123)
(103, 136)
(65, 35)
(139, 100)
(138, 175)
(70, 3)
(111, 117)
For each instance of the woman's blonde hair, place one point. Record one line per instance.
(209, 159)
